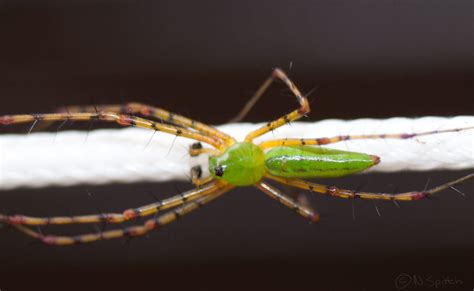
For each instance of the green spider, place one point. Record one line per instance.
(231, 164)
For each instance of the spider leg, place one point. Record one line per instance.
(343, 193)
(197, 152)
(284, 199)
(153, 112)
(328, 140)
(196, 177)
(121, 119)
(251, 103)
(139, 230)
(126, 215)
(294, 115)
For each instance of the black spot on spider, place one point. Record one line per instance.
(331, 190)
(196, 146)
(179, 132)
(196, 172)
(183, 197)
(219, 171)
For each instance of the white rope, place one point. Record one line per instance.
(132, 155)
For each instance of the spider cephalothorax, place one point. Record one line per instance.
(242, 164)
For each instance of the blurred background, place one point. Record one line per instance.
(204, 59)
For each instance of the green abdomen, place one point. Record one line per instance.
(315, 162)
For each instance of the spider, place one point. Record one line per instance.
(231, 164)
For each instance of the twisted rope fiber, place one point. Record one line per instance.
(132, 155)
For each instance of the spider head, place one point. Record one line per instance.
(242, 164)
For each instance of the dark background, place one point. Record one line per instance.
(204, 59)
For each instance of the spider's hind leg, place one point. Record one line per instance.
(299, 207)
(155, 113)
(345, 193)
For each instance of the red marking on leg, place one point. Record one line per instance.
(407, 135)
(145, 111)
(16, 219)
(323, 140)
(420, 195)
(6, 120)
(277, 73)
(150, 224)
(124, 120)
(315, 217)
(49, 240)
(135, 231)
(130, 214)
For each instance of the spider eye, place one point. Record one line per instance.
(219, 171)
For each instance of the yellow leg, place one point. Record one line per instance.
(154, 112)
(140, 230)
(197, 152)
(294, 115)
(343, 193)
(328, 140)
(129, 214)
(196, 178)
(124, 120)
(299, 208)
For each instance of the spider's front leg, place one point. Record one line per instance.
(292, 116)
(195, 150)
(156, 113)
(121, 119)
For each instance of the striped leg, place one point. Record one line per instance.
(139, 230)
(196, 149)
(294, 115)
(153, 112)
(343, 193)
(124, 120)
(129, 214)
(299, 208)
(335, 139)
(196, 177)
